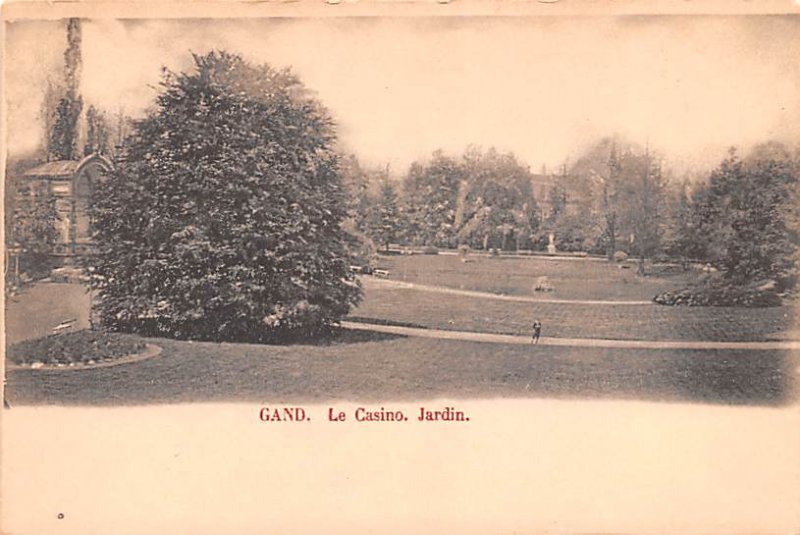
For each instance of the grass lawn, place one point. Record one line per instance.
(369, 367)
(636, 322)
(577, 278)
(37, 309)
(372, 367)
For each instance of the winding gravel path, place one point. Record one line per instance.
(569, 342)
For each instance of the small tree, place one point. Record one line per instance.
(645, 201)
(222, 220)
(385, 220)
(677, 239)
(97, 132)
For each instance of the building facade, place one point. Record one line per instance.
(69, 183)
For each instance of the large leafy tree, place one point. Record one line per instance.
(616, 201)
(578, 217)
(587, 187)
(222, 218)
(496, 208)
(358, 185)
(430, 194)
(640, 204)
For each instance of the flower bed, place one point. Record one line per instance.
(722, 293)
(81, 347)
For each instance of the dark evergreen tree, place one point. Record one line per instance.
(222, 220)
(384, 223)
(744, 216)
(63, 144)
(63, 136)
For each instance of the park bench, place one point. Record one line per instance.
(64, 326)
(361, 270)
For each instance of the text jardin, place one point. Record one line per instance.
(361, 414)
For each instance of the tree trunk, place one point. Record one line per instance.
(641, 266)
(612, 238)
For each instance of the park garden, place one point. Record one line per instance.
(234, 235)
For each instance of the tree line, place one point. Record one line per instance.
(483, 199)
(617, 198)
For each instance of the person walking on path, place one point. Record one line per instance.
(537, 332)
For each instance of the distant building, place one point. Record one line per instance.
(70, 183)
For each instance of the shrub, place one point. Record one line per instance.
(721, 292)
(223, 218)
(543, 285)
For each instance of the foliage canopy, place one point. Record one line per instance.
(222, 220)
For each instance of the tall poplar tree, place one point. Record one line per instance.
(63, 136)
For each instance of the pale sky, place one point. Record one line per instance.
(399, 89)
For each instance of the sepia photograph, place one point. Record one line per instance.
(401, 274)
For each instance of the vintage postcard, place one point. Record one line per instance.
(345, 268)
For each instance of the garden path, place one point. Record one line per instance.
(571, 342)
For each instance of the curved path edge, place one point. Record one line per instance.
(570, 342)
(500, 297)
(150, 351)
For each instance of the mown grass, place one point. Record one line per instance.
(594, 279)
(37, 309)
(367, 367)
(383, 369)
(636, 322)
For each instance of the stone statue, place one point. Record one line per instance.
(551, 247)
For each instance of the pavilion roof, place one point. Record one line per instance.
(56, 169)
